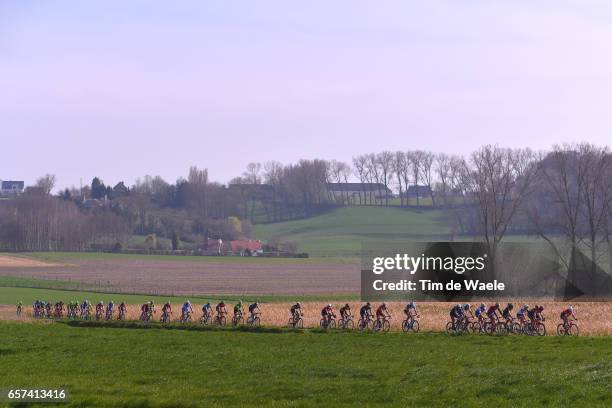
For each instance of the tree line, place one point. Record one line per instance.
(492, 192)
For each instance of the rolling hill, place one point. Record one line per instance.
(340, 232)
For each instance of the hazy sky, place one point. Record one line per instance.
(121, 90)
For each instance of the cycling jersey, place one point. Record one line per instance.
(381, 311)
(252, 307)
(365, 309)
(566, 313)
(344, 310)
(326, 311)
(479, 311)
(492, 310)
(506, 313)
(531, 313)
(456, 312)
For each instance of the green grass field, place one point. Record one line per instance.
(116, 367)
(12, 295)
(340, 232)
(67, 257)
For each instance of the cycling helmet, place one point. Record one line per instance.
(466, 306)
(496, 304)
(571, 308)
(368, 304)
(459, 305)
(111, 302)
(412, 304)
(525, 306)
(298, 304)
(329, 305)
(482, 306)
(346, 305)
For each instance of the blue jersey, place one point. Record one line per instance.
(479, 311)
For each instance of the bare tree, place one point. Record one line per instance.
(499, 180)
(361, 171)
(385, 162)
(426, 163)
(400, 167)
(46, 183)
(414, 158)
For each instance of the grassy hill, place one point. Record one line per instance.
(340, 232)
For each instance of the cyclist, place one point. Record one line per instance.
(48, 309)
(59, 309)
(531, 314)
(466, 310)
(221, 309)
(456, 314)
(296, 312)
(206, 310)
(520, 315)
(19, 307)
(382, 313)
(167, 310)
(479, 312)
(410, 311)
(122, 310)
(151, 310)
(365, 312)
(109, 310)
(327, 313)
(186, 310)
(507, 313)
(254, 310)
(539, 313)
(144, 309)
(566, 314)
(99, 309)
(238, 310)
(345, 312)
(492, 313)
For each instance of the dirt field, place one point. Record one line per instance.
(192, 278)
(594, 318)
(15, 262)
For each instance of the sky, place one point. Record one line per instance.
(120, 89)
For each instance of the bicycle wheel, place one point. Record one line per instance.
(386, 326)
(405, 326)
(332, 324)
(348, 325)
(300, 323)
(573, 330)
(256, 321)
(516, 328)
(560, 330)
(488, 328)
(541, 329)
(449, 328)
(222, 321)
(415, 326)
(290, 323)
(377, 326)
(322, 324)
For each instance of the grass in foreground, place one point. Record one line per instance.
(176, 368)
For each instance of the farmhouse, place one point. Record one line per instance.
(11, 188)
(237, 247)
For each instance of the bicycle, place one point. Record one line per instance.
(206, 318)
(85, 314)
(539, 329)
(410, 324)
(121, 315)
(19, 308)
(98, 314)
(237, 319)
(461, 326)
(327, 323)
(109, 315)
(570, 329)
(296, 323)
(220, 320)
(165, 317)
(254, 320)
(382, 324)
(366, 324)
(346, 323)
(185, 317)
(495, 326)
